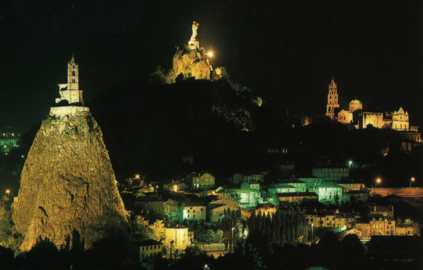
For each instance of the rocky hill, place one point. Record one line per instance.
(68, 190)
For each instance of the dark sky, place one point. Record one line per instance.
(286, 51)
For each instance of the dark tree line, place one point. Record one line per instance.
(287, 226)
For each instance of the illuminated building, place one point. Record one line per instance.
(193, 212)
(70, 100)
(407, 228)
(381, 211)
(329, 193)
(150, 248)
(281, 188)
(375, 227)
(202, 181)
(373, 119)
(333, 100)
(333, 221)
(345, 117)
(245, 197)
(400, 120)
(385, 226)
(9, 140)
(177, 239)
(70, 92)
(214, 250)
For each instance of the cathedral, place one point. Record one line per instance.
(360, 118)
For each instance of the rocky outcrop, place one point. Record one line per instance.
(68, 186)
(190, 64)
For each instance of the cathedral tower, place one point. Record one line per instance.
(333, 100)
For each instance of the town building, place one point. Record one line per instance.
(329, 193)
(332, 221)
(194, 212)
(9, 140)
(201, 181)
(214, 250)
(150, 248)
(246, 198)
(177, 239)
(381, 211)
(407, 228)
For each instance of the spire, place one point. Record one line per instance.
(72, 60)
(332, 84)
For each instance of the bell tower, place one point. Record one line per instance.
(333, 100)
(69, 91)
(73, 74)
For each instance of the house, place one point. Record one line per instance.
(246, 198)
(329, 193)
(150, 248)
(201, 181)
(177, 239)
(192, 211)
(214, 250)
(382, 211)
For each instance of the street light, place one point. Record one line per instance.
(7, 191)
(412, 180)
(378, 180)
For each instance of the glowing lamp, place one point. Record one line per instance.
(7, 191)
(210, 54)
(378, 180)
(413, 179)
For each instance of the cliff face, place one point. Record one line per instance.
(68, 185)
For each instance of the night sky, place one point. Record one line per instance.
(283, 50)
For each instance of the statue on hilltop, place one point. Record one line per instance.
(192, 61)
(193, 43)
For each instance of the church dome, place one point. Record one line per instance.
(355, 105)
